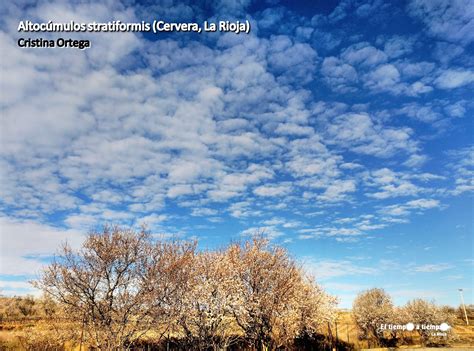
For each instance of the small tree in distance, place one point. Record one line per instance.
(371, 309)
(422, 312)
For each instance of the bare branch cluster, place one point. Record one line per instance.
(123, 286)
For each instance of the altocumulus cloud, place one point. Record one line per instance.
(302, 121)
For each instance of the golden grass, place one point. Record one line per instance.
(12, 332)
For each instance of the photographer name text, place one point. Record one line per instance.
(156, 26)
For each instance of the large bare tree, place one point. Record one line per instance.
(270, 304)
(206, 319)
(118, 286)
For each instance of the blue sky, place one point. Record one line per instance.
(343, 130)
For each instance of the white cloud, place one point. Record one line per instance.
(447, 19)
(410, 206)
(297, 60)
(343, 234)
(446, 52)
(25, 243)
(339, 75)
(423, 203)
(203, 211)
(17, 288)
(383, 78)
(421, 69)
(398, 46)
(242, 209)
(416, 160)
(232, 185)
(419, 112)
(358, 133)
(403, 295)
(338, 190)
(363, 63)
(208, 127)
(327, 269)
(293, 129)
(457, 109)
(432, 268)
(363, 54)
(395, 190)
(271, 232)
(462, 164)
(273, 190)
(152, 220)
(390, 184)
(454, 78)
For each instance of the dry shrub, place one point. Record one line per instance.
(46, 338)
(422, 312)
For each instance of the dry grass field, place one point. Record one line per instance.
(12, 334)
(347, 331)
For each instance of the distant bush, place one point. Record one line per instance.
(422, 312)
(373, 308)
(469, 311)
(42, 339)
